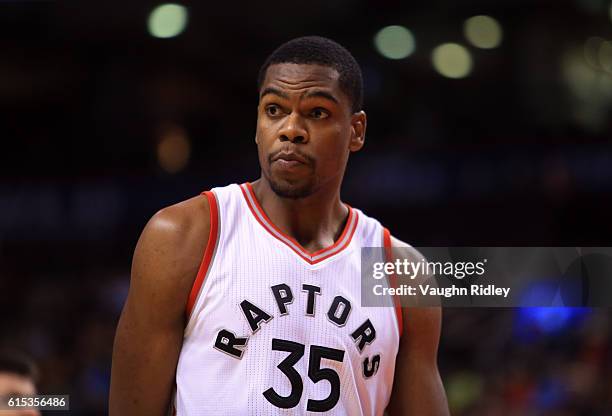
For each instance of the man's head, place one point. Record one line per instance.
(18, 376)
(309, 115)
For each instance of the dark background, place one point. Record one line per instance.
(516, 153)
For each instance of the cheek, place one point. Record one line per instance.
(261, 135)
(333, 150)
(266, 128)
(339, 138)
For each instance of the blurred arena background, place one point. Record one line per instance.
(491, 130)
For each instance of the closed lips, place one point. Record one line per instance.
(290, 157)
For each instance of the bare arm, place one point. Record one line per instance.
(418, 388)
(150, 331)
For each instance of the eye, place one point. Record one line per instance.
(272, 110)
(319, 113)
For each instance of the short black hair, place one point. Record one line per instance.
(15, 362)
(320, 51)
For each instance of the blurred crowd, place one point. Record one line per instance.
(533, 361)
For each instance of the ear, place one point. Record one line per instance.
(358, 129)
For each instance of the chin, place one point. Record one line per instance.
(291, 189)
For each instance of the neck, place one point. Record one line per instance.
(315, 221)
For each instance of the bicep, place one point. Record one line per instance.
(150, 330)
(144, 362)
(417, 387)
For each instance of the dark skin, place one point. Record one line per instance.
(305, 134)
(303, 114)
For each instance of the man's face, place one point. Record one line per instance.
(15, 385)
(305, 129)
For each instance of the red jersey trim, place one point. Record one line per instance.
(311, 258)
(213, 236)
(393, 280)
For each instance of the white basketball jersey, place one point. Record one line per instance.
(276, 330)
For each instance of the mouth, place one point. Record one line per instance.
(289, 162)
(291, 158)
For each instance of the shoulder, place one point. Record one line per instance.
(179, 228)
(181, 223)
(424, 320)
(178, 232)
(170, 250)
(397, 243)
(404, 250)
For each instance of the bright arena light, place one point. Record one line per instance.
(394, 42)
(598, 53)
(585, 71)
(452, 60)
(605, 56)
(167, 20)
(173, 149)
(591, 51)
(483, 32)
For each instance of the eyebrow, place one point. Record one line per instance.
(314, 93)
(273, 91)
(321, 94)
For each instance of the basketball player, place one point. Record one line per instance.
(18, 376)
(268, 321)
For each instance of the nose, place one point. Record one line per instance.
(293, 129)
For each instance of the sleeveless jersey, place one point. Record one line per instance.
(275, 330)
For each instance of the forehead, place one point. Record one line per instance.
(299, 77)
